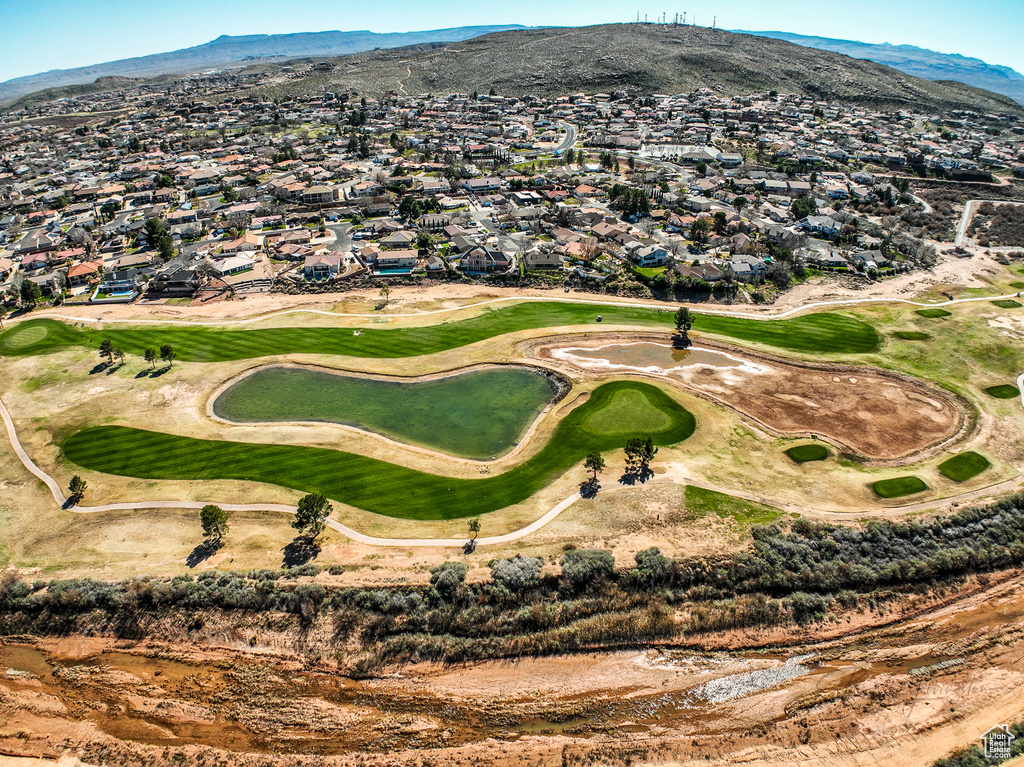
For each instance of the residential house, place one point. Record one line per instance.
(322, 267)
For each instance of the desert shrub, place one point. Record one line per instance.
(517, 573)
(582, 566)
(446, 578)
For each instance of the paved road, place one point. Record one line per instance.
(570, 137)
(961, 232)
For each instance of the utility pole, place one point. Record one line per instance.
(714, 23)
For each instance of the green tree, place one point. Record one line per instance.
(119, 353)
(739, 203)
(385, 293)
(802, 207)
(107, 350)
(167, 354)
(640, 452)
(684, 321)
(30, 292)
(214, 521)
(3, 316)
(699, 231)
(311, 515)
(150, 356)
(77, 487)
(474, 528)
(594, 462)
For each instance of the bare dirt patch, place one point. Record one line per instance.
(868, 412)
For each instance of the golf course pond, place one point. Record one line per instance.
(479, 414)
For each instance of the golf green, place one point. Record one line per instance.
(899, 487)
(1003, 391)
(808, 453)
(964, 466)
(378, 486)
(933, 314)
(477, 414)
(814, 333)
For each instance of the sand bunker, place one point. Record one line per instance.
(870, 412)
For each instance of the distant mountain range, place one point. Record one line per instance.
(227, 51)
(517, 60)
(639, 58)
(919, 62)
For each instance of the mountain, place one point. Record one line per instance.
(227, 50)
(643, 58)
(919, 62)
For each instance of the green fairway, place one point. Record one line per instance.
(899, 487)
(964, 466)
(1007, 303)
(911, 335)
(808, 453)
(1017, 285)
(933, 314)
(480, 414)
(814, 333)
(1003, 391)
(377, 486)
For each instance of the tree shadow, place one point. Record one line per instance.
(99, 368)
(202, 552)
(589, 488)
(159, 372)
(636, 474)
(681, 341)
(300, 551)
(71, 502)
(143, 373)
(114, 368)
(469, 546)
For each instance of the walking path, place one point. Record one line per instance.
(61, 500)
(763, 316)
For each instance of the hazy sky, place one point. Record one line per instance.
(37, 35)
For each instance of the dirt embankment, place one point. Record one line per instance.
(903, 694)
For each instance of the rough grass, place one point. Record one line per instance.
(899, 487)
(371, 484)
(911, 335)
(1003, 391)
(1007, 303)
(814, 333)
(478, 414)
(964, 466)
(933, 314)
(701, 502)
(807, 453)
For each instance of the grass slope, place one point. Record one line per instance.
(700, 502)
(964, 466)
(933, 314)
(374, 485)
(479, 414)
(1007, 303)
(911, 335)
(815, 333)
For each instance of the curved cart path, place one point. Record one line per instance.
(61, 500)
